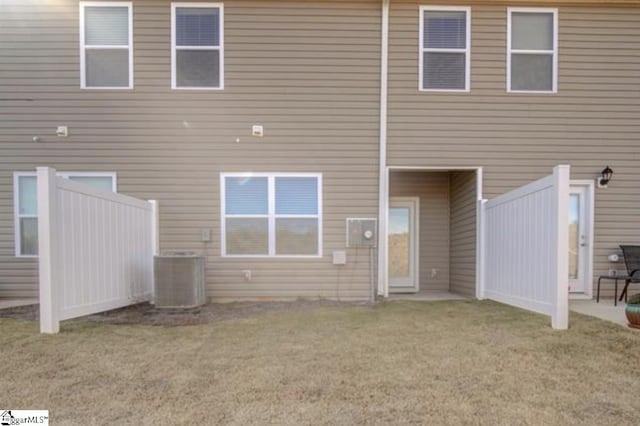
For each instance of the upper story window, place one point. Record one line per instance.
(267, 214)
(197, 54)
(532, 50)
(445, 52)
(106, 45)
(26, 205)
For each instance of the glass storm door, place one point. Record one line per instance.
(578, 239)
(403, 245)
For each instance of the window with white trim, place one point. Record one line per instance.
(26, 205)
(532, 50)
(445, 48)
(197, 55)
(106, 45)
(271, 214)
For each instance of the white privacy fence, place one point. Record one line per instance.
(96, 249)
(525, 237)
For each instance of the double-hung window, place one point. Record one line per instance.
(266, 214)
(197, 55)
(532, 50)
(106, 45)
(26, 205)
(445, 51)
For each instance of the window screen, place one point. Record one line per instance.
(106, 46)
(296, 195)
(444, 49)
(532, 31)
(197, 47)
(296, 236)
(27, 195)
(246, 195)
(197, 26)
(107, 68)
(106, 26)
(99, 182)
(272, 215)
(197, 68)
(27, 216)
(532, 72)
(26, 208)
(532, 51)
(247, 236)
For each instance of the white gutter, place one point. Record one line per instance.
(383, 199)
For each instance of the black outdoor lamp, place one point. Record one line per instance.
(606, 177)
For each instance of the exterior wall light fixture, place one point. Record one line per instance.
(603, 181)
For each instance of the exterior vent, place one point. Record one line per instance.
(361, 232)
(179, 280)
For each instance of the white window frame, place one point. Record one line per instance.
(554, 52)
(271, 215)
(220, 47)
(84, 47)
(16, 201)
(467, 51)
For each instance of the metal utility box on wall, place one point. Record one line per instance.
(179, 280)
(361, 232)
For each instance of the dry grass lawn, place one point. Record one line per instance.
(401, 362)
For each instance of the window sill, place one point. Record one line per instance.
(534, 92)
(268, 257)
(106, 88)
(445, 90)
(207, 89)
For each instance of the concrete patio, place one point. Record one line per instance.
(604, 310)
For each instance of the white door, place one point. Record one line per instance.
(579, 238)
(403, 244)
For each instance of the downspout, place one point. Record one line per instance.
(383, 187)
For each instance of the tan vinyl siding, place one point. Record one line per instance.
(592, 121)
(308, 71)
(462, 247)
(433, 191)
(447, 226)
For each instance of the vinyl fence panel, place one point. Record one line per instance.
(525, 247)
(96, 249)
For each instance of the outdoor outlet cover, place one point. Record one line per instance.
(62, 131)
(247, 274)
(340, 257)
(257, 130)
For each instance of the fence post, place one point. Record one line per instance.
(560, 315)
(47, 250)
(155, 228)
(481, 251)
(155, 245)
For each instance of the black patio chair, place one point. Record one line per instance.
(632, 261)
